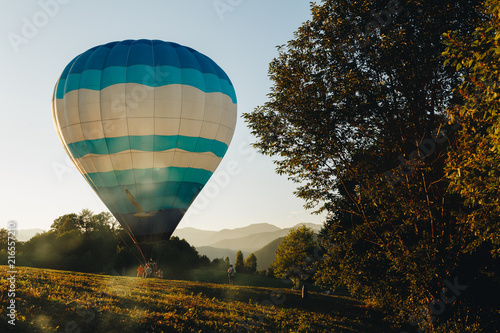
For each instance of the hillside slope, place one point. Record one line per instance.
(267, 254)
(250, 243)
(263, 245)
(216, 252)
(60, 301)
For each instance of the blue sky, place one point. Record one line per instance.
(39, 183)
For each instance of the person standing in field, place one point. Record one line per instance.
(230, 273)
(140, 271)
(149, 270)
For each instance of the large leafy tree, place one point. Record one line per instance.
(86, 221)
(239, 265)
(357, 117)
(295, 257)
(65, 223)
(251, 263)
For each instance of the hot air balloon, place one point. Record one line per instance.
(146, 122)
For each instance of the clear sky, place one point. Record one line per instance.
(38, 181)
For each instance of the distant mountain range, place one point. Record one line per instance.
(24, 235)
(262, 239)
(198, 237)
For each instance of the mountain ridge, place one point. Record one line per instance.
(262, 243)
(238, 238)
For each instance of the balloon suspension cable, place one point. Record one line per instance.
(126, 228)
(136, 244)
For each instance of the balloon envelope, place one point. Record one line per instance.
(146, 122)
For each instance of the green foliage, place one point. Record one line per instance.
(89, 242)
(359, 121)
(294, 256)
(177, 254)
(270, 271)
(474, 162)
(204, 261)
(239, 265)
(262, 272)
(86, 221)
(85, 242)
(219, 263)
(251, 264)
(216, 275)
(4, 236)
(66, 223)
(71, 250)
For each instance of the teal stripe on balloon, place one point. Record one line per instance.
(146, 75)
(115, 145)
(147, 176)
(151, 197)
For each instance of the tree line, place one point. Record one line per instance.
(96, 243)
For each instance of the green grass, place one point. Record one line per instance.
(220, 276)
(61, 301)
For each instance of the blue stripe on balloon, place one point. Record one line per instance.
(151, 197)
(90, 79)
(146, 75)
(115, 145)
(147, 176)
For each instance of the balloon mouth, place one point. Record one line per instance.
(150, 227)
(148, 247)
(150, 242)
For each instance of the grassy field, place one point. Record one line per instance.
(61, 301)
(220, 277)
